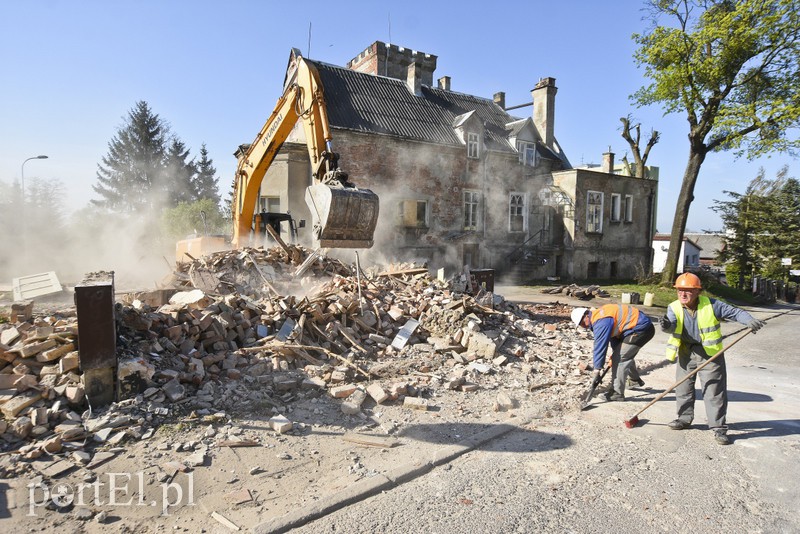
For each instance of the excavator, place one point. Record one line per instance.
(343, 216)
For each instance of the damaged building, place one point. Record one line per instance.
(463, 182)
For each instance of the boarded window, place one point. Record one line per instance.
(616, 208)
(628, 208)
(413, 213)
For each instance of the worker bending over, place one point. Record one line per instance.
(627, 330)
(694, 322)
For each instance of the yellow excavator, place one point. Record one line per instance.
(343, 215)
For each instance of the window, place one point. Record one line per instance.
(527, 153)
(471, 202)
(615, 207)
(473, 145)
(516, 212)
(594, 212)
(413, 213)
(628, 208)
(269, 204)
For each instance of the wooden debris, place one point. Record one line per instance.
(384, 442)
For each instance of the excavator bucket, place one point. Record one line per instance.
(344, 217)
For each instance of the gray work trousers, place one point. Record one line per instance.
(623, 351)
(623, 364)
(713, 381)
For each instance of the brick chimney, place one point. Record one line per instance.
(444, 83)
(393, 61)
(500, 99)
(608, 162)
(414, 78)
(544, 109)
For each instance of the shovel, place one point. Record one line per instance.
(595, 382)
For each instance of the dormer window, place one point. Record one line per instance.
(527, 153)
(473, 146)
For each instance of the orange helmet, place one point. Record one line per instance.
(688, 281)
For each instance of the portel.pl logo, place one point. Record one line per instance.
(112, 489)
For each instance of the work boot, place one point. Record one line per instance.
(678, 424)
(721, 435)
(635, 383)
(612, 396)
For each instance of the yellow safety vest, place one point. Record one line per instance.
(707, 323)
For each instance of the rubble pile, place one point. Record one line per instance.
(396, 335)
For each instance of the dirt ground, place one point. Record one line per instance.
(244, 473)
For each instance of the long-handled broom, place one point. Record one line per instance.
(630, 423)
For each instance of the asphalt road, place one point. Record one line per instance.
(584, 471)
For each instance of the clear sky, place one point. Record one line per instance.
(71, 71)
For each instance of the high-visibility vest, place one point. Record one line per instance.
(625, 317)
(707, 323)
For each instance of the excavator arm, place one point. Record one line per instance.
(344, 216)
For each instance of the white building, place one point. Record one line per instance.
(689, 259)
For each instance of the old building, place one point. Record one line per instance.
(461, 181)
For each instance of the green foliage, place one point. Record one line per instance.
(205, 182)
(187, 219)
(762, 228)
(732, 68)
(147, 168)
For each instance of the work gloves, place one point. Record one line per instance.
(666, 325)
(755, 325)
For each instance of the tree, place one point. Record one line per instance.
(202, 217)
(761, 227)
(133, 168)
(178, 174)
(732, 68)
(639, 158)
(205, 184)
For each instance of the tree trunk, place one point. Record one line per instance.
(682, 214)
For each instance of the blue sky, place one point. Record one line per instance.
(72, 70)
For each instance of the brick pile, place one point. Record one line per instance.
(242, 341)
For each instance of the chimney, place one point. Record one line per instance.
(500, 99)
(544, 109)
(608, 162)
(414, 78)
(390, 60)
(444, 83)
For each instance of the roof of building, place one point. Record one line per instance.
(381, 105)
(711, 244)
(667, 237)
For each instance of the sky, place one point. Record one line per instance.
(213, 70)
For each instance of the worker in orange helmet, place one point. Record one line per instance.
(626, 330)
(694, 324)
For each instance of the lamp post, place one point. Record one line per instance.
(22, 174)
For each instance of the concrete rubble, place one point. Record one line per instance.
(254, 330)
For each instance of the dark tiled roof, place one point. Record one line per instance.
(380, 105)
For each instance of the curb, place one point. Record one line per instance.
(368, 487)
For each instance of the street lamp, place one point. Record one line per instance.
(22, 174)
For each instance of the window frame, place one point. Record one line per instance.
(405, 221)
(594, 212)
(471, 199)
(527, 153)
(628, 208)
(616, 207)
(473, 145)
(521, 207)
